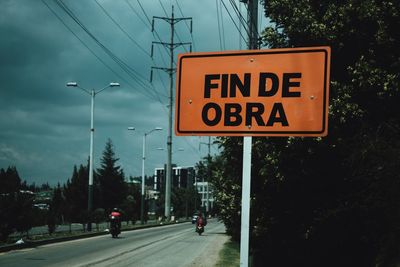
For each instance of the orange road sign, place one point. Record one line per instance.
(276, 92)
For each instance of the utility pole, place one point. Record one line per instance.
(252, 15)
(252, 22)
(171, 70)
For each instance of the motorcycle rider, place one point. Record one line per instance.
(201, 221)
(115, 217)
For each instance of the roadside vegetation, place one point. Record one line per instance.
(331, 201)
(24, 206)
(229, 255)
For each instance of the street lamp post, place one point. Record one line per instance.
(92, 93)
(208, 173)
(143, 181)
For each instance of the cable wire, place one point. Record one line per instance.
(222, 1)
(121, 29)
(131, 72)
(137, 14)
(162, 6)
(190, 30)
(242, 20)
(148, 19)
(219, 27)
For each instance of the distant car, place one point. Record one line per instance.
(194, 218)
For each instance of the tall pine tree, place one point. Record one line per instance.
(113, 189)
(76, 192)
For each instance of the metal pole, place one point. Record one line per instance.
(247, 143)
(245, 212)
(142, 198)
(90, 193)
(208, 173)
(167, 212)
(252, 22)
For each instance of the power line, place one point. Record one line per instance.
(82, 42)
(144, 12)
(179, 39)
(219, 27)
(176, 33)
(119, 61)
(189, 28)
(233, 20)
(122, 29)
(137, 14)
(162, 6)
(148, 25)
(252, 24)
(148, 19)
(131, 72)
(242, 20)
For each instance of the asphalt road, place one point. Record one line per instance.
(173, 245)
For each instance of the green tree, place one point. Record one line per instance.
(226, 178)
(9, 180)
(329, 201)
(348, 176)
(55, 214)
(23, 220)
(76, 195)
(58, 203)
(131, 205)
(112, 186)
(16, 206)
(7, 202)
(179, 202)
(98, 216)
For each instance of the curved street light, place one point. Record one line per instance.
(143, 160)
(92, 93)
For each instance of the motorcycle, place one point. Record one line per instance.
(200, 229)
(114, 227)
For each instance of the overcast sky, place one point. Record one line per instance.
(44, 125)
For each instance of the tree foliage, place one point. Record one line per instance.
(9, 180)
(111, 177)
(328, 201)
(16, 206)
(131, 204)
(76, 195)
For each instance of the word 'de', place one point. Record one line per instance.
(281, 92)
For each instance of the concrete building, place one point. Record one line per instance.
(205, 189)
(182, 177)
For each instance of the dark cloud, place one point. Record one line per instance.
(44, 125)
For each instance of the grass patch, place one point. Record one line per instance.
(229, 254)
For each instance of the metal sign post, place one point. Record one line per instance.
(245, 211)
